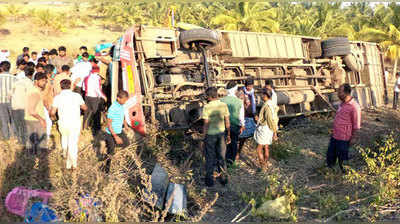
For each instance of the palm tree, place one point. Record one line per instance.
(329, 17)
(389, 40)
(248, 16)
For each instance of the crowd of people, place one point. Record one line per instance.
(231, 120)
(51, 86)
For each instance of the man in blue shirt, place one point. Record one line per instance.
(114, 135)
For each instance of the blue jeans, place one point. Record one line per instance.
(6, 121)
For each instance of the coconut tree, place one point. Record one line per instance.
(389, 40)
(248, 16)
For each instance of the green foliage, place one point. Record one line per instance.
(277, 186)
(2, 19)
(383, 166)
(14, 11)
(283, 150)
(49, 21)
(380, 177)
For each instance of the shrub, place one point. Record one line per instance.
(50, 22)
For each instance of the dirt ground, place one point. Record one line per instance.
(305, 170)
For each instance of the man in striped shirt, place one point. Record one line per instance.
(6, 86)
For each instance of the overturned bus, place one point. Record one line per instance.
(167, 70)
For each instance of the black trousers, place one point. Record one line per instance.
(92, 117)
(395, 100)
(215, 149)
(18, 117)
(232, 148)
(337, 150)
(111, 144)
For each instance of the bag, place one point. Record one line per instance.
(40, 213)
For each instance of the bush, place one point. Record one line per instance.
(49, 21)
(283, 150)
(379, 179)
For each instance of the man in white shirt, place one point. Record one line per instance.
(269, 85)
(396, 91)
(93, 95)
(79, 72)
(69, 122)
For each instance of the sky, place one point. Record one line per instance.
(370, 3)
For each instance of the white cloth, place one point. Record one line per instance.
(68, 104)
(274, 98)
(34, 61)
(4, 54)
(232, 92)
(263, 134)
(396, 87)
(20, 75)
(92, 86)
(20, 93)
(69, 145)
(49, 123)
(80, 70)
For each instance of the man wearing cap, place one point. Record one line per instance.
(93, 96)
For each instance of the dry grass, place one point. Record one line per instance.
(123, 192)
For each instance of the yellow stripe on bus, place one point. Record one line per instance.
(131, 81)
